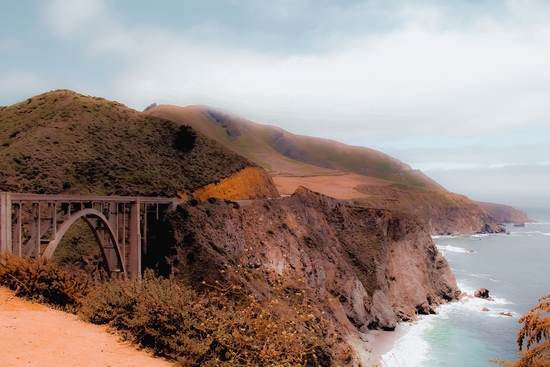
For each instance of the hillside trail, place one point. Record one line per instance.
(34, 335)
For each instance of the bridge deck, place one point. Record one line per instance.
(16, 197)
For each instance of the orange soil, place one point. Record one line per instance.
(339, 187)
(247, 184)
(35, 335)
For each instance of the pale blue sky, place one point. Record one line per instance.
(459, 89)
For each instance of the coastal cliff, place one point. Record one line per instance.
(442, 212)
(504, 213)
(363, 268)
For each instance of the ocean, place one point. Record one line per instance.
(515, 268)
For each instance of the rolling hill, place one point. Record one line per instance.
(64, 142)
(282, 153)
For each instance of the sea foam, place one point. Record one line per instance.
(411, 349)
(452, 249)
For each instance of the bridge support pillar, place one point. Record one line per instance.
(134, 255)
(17, 234)
(110, 251)
(5, 222)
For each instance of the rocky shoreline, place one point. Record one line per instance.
(364, 268)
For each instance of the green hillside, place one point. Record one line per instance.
(65, 142)
(283, 153)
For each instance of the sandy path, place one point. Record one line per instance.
(339, 187)
(34, 335)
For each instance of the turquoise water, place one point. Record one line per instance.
(515, 268)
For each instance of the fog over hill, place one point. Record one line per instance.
(455, 89)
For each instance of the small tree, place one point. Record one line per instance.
(534, 337)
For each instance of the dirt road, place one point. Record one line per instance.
(35, 335)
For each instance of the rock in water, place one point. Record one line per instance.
(483, 293)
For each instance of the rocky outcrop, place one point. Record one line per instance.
(442, 212)
(504, 213)
(364, 268)
(248, 184)
(483, 293)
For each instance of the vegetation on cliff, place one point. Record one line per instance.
(219, 326)
(248, 184)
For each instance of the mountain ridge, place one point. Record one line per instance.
(393, 184)
(283, 153)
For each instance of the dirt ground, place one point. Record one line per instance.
(339, 187)
(34, 335)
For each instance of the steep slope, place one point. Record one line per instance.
(287, 154)
(65, 142)
(247, 144)
(363, 268)
(504, 213)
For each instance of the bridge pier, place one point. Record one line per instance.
(5, 223)
(134, 256)
(119, 225)
(17, 235)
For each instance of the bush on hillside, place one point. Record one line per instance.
(533, 337)
(224, 325)
(42, 281)
(211, 328)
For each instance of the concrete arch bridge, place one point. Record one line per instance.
(34, 224)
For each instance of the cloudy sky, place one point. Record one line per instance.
(459, 89)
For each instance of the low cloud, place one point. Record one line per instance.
(476, 156)
(416, 79)
(515, 184)
(72, 19)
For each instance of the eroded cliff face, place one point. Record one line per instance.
(248, 184)
(443, 212)
(364, 268)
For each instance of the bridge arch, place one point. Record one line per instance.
(89, 215)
